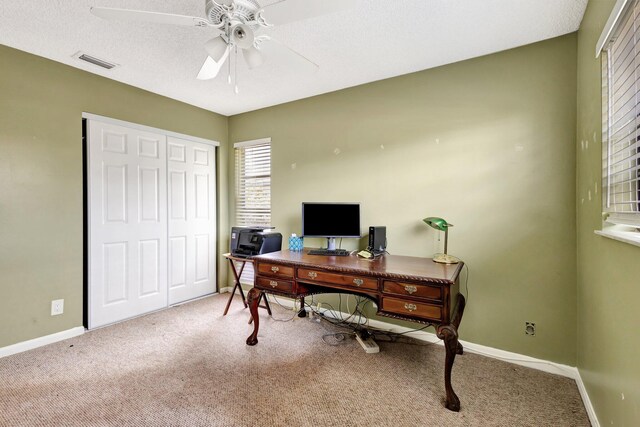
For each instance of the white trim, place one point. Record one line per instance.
(591, 412)
(137, 126)
(253, 142)
(631, 237)
(40, 341)
(226, 289)
(612, 23)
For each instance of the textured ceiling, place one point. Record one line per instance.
(373, 41)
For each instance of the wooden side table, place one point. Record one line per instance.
(236, 276)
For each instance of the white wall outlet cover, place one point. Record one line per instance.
(57, 307)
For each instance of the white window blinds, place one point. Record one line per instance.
(253, 183)
(253, 189)
(621, 119)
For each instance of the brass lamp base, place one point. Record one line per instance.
(445, 259)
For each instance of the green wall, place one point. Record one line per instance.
(488, 144)
(608, 271)
(41, 103)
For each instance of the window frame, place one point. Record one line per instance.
(618, 223)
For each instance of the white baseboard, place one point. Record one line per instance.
(591, 412)
(41, 341)
(507, 356)
(228, 289)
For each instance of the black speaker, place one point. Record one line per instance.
(377, 239)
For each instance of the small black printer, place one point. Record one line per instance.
(249, 241)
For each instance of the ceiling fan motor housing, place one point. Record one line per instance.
(243, 10)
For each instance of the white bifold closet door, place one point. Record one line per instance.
(139, 261)
(192, 219)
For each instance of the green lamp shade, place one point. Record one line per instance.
(437, 223)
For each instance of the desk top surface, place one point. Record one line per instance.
(387, 266)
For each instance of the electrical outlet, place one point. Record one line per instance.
(57, 307)
(530, 328)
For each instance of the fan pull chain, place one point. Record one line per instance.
(229, 71)
(228, 33)
(235, 70)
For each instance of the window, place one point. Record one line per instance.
(621, 116)
(253, 188)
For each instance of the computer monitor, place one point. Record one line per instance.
(331, 220)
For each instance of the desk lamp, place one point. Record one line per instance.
(442, 225)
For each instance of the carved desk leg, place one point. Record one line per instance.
(449, 334)
(253, 298)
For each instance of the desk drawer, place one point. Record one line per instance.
(412, 289)
(275, 270)
(274, 285)
(348, 280)
(412, 308)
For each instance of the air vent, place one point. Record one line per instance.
(95, 61)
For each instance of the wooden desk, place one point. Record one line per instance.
(407, 288)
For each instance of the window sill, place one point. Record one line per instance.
(631, 237)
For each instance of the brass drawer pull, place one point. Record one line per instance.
(313, 274)
(410, 307)
(358, 282)
(275, 269)
(410, 289)
(273, 283)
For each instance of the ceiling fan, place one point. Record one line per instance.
(237, 25)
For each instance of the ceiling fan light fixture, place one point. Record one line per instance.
(253, 57)
(242, 36)
(216, 48)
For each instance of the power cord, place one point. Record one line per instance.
(466, 282)
(278, 302)
(358, 325)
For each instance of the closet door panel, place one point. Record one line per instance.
(127, 223)
(192, 219)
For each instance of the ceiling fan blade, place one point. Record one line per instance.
(211, 68)
(144, 16)
(284, 56)
(253, 57)
(286, 11)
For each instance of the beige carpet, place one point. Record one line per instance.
(189, 366)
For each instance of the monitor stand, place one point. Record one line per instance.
(331, 243)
